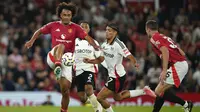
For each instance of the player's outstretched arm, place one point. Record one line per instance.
(33, 38)
(133, 60)
(94, 61)
(92, 42)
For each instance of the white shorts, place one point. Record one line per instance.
(66, 70)
(176, 73)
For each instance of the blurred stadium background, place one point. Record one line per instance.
(26, 80)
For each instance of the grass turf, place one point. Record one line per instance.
(89, 109)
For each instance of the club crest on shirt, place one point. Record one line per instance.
(70, 30)
(63, 36)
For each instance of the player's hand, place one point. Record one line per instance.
(86, 60)
(97, 48)
(29, 44)
(162, 77)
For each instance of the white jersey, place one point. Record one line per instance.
(113, 54)
(84, 50)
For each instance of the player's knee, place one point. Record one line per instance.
(88, 90)
(65, 91)
(117, 98)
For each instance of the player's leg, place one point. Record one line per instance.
(65, 84)
(65, 87)
(58, 53)
(89, 90)
(80, 88)
(101, 97)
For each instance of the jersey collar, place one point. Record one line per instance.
(113, 41)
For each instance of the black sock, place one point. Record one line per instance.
(170, 96)
(159, 101)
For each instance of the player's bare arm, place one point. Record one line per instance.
(91, 42)
(94, 61)
(33, 38)
(165, 59)
(133, 60)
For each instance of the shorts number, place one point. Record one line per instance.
(168, 74)
(90, 78)
(110, 80)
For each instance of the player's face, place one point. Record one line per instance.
(148, 31)
(66, 16)
(110, 33)
(85, 26)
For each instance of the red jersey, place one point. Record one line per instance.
(64, 34)
(158, 40)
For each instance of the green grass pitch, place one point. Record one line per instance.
(89, 109)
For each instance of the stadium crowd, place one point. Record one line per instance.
(26, 70)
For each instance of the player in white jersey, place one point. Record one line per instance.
(114, 50)
(86, 72)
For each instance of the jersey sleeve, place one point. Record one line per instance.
(46, 28)
(123, 50)
(80, 33)
(99, 52)
(157, 41)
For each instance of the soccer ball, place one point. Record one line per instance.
(68, 59)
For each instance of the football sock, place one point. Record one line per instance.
(134, 93)
(170, 96)
(93, 100)
(109, 109)
(159, 101)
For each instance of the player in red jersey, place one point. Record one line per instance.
(63, 34)
(174, 67)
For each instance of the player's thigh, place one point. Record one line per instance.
(176, 73)
(161, 88)
(104, 93)
(50, 58)
(64, 84)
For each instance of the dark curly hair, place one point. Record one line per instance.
(67, 6)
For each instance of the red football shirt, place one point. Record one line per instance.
(64, 34)
(158, 40)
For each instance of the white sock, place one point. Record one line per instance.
(93, 101)
(134, 93)
(186, 104)
(109, 109)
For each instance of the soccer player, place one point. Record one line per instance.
(114, 50)
(86, 72)
(63, 34)
(174, 67)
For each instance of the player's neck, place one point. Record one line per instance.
(153, 32)
(66, 23)
(109, 41)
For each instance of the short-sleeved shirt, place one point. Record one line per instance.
(158, 40)
(113, 54)
(64, 34)
(84, 50)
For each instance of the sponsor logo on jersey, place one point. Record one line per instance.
(63, 36)
(83, 51)
(108, 55)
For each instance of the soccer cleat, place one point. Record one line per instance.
(189, 107)
(58, 72)
(149, 92)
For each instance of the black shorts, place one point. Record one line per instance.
(85, 78)
(116, 84)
